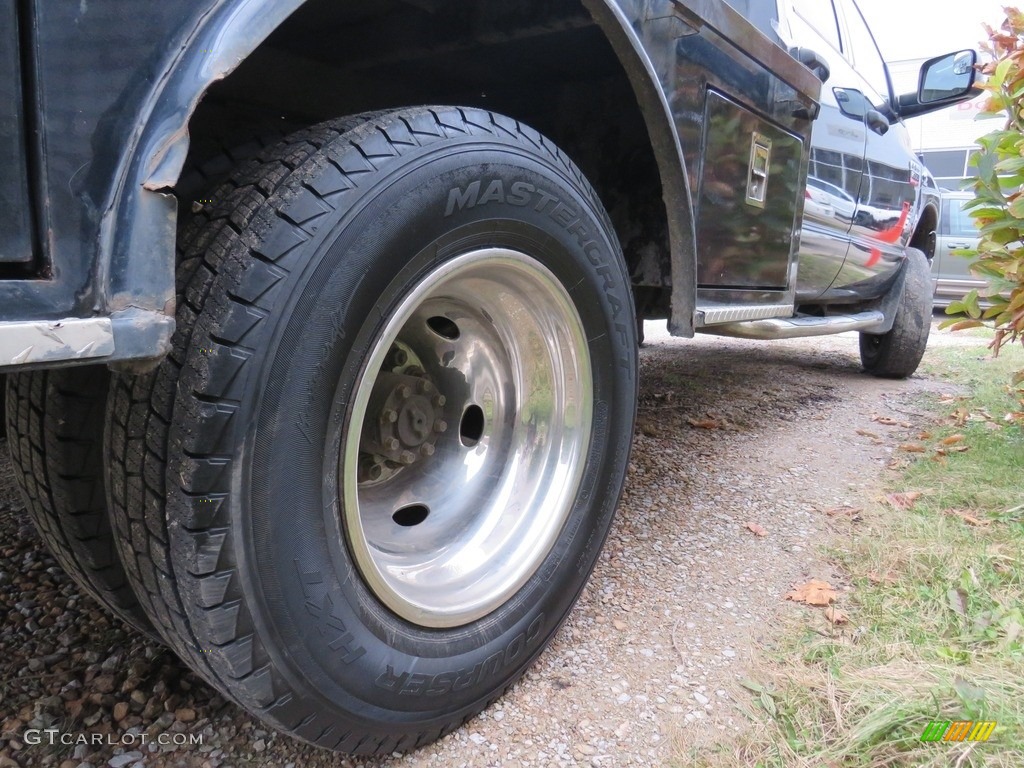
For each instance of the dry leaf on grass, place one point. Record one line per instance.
(913, 448)
(885, 421)
(902, 500)
(835, 616)
(925, 436)
(969, 518)
(952, 440)
(815, 592)
(865, 433)
(756, 529)
(957, 601)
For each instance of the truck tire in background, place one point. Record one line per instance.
(383, 455)
(896, 354)
(55, 425)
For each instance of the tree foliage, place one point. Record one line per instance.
(998, 207)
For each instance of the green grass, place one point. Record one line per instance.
(936, 628)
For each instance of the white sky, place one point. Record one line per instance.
(919, 29)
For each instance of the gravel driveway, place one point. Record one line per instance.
(647, 667)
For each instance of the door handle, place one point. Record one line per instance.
(877, 122)
(813, 61)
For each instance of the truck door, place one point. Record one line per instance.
(15, 222)
(838, 142)
(890, 183)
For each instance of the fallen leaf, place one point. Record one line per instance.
(648, 428)
(960, 416)
(836, 616)
(704, 423)
(969, 518)
(756, 529)
(865, 433)
(960, 449)
(74, 707)
(845, 510)
(815, 592)
(925, 436)
(875, 578)
(953, 440)
(913, 448)
(885, 421)
(957, 599)
(903, 500)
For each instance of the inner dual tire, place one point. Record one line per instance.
(372, 478)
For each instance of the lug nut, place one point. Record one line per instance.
(407, 457)
(391, 444)
(405, 392)
(426, 387)
(440, 400)
(390, 416)
(440, 425)
(426, 450)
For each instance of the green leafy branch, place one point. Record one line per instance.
(998, 205)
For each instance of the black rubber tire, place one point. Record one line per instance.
(898, 353)
(55, 421)
(220, 459)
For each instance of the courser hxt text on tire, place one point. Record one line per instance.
(896, 354)
(400, 406)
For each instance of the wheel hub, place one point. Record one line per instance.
(404, 419)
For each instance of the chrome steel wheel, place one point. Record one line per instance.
(468, 434)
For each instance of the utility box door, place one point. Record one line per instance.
(750, 191)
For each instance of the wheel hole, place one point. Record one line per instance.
(411, 516)
(443, 327)
(471, 429)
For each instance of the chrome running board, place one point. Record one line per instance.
(797, 327)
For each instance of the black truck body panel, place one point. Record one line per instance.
(113, 87)
(15, 210)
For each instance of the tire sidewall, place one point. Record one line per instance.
(324, 630)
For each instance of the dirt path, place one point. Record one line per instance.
(647, 668)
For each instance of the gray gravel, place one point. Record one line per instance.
(647, 668)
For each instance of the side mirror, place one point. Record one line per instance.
(945, 80)
(947, 77)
